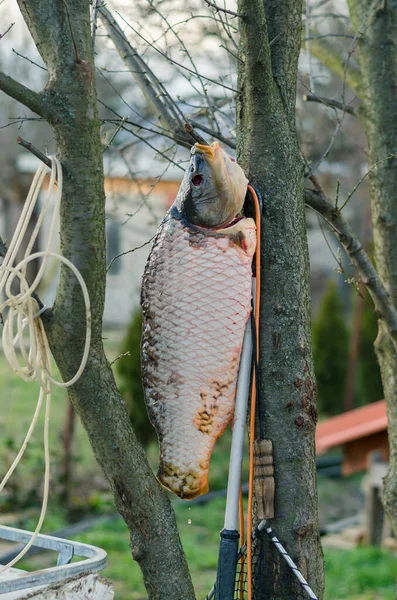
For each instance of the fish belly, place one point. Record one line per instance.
(196, 299)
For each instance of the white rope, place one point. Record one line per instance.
(23, 311)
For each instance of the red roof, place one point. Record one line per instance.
(351, 425)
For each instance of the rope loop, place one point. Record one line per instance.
(28, 354)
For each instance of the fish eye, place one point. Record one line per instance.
(232, 159)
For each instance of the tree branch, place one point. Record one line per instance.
(29, 60)
(224, 10)
(329, 102)
(178, 64)
(176, 125)
(24, 95)
(6, 31)
(155, 94)
(384, 307)
(34, 151)
(331, 58)
(214, 134)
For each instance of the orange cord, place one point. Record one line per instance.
(253, 395)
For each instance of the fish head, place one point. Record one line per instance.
(213, 189)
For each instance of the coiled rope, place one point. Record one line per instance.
(23, 311)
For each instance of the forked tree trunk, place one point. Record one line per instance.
(61, 31)
(268, 151)
(375, 25)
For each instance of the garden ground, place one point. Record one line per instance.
(362, 574)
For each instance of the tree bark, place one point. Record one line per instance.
(66, 474)
(61, 31)
(375, 24)
(268, 150)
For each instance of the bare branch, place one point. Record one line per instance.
(156, 150)
(226, 27)
(123, 100)
(330, 15)
(174, 62)
(6, 31)
(24, 95)
(329, 102)
(128, 353)
(214, 134)
(129, 252)
(34, 151)
(191, 60)
(328, 35)
(29, 60)
(235, 56)
(125, 120)
(160, 131)
(201, 111)
(379, 162)
(175, 125)
(224, 10)
(331, 58)
(114, 134)
(93, 24)
(384, 307)
(154, 92)
(197, 137)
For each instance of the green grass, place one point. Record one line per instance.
(18, 401)
(365, 573)
(199, 528)
(362, 574)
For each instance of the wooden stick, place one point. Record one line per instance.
(264, 485)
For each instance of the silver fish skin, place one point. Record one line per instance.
(196, 300)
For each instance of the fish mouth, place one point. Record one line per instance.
(208, 151)
(197, 180)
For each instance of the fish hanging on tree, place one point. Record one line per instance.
(196, 300)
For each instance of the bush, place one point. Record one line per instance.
(129, 369)
(369, 383)
(330, 352)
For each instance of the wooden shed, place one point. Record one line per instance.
(359, 432)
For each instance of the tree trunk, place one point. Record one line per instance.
(61, 31)
(375, 25)
(66, 474)
(269, 153)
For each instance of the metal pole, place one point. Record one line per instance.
(239, 427)
(228, 547)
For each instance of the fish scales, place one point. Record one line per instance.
(196, 299)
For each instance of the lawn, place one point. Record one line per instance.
(366, 573)
(362, 574)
